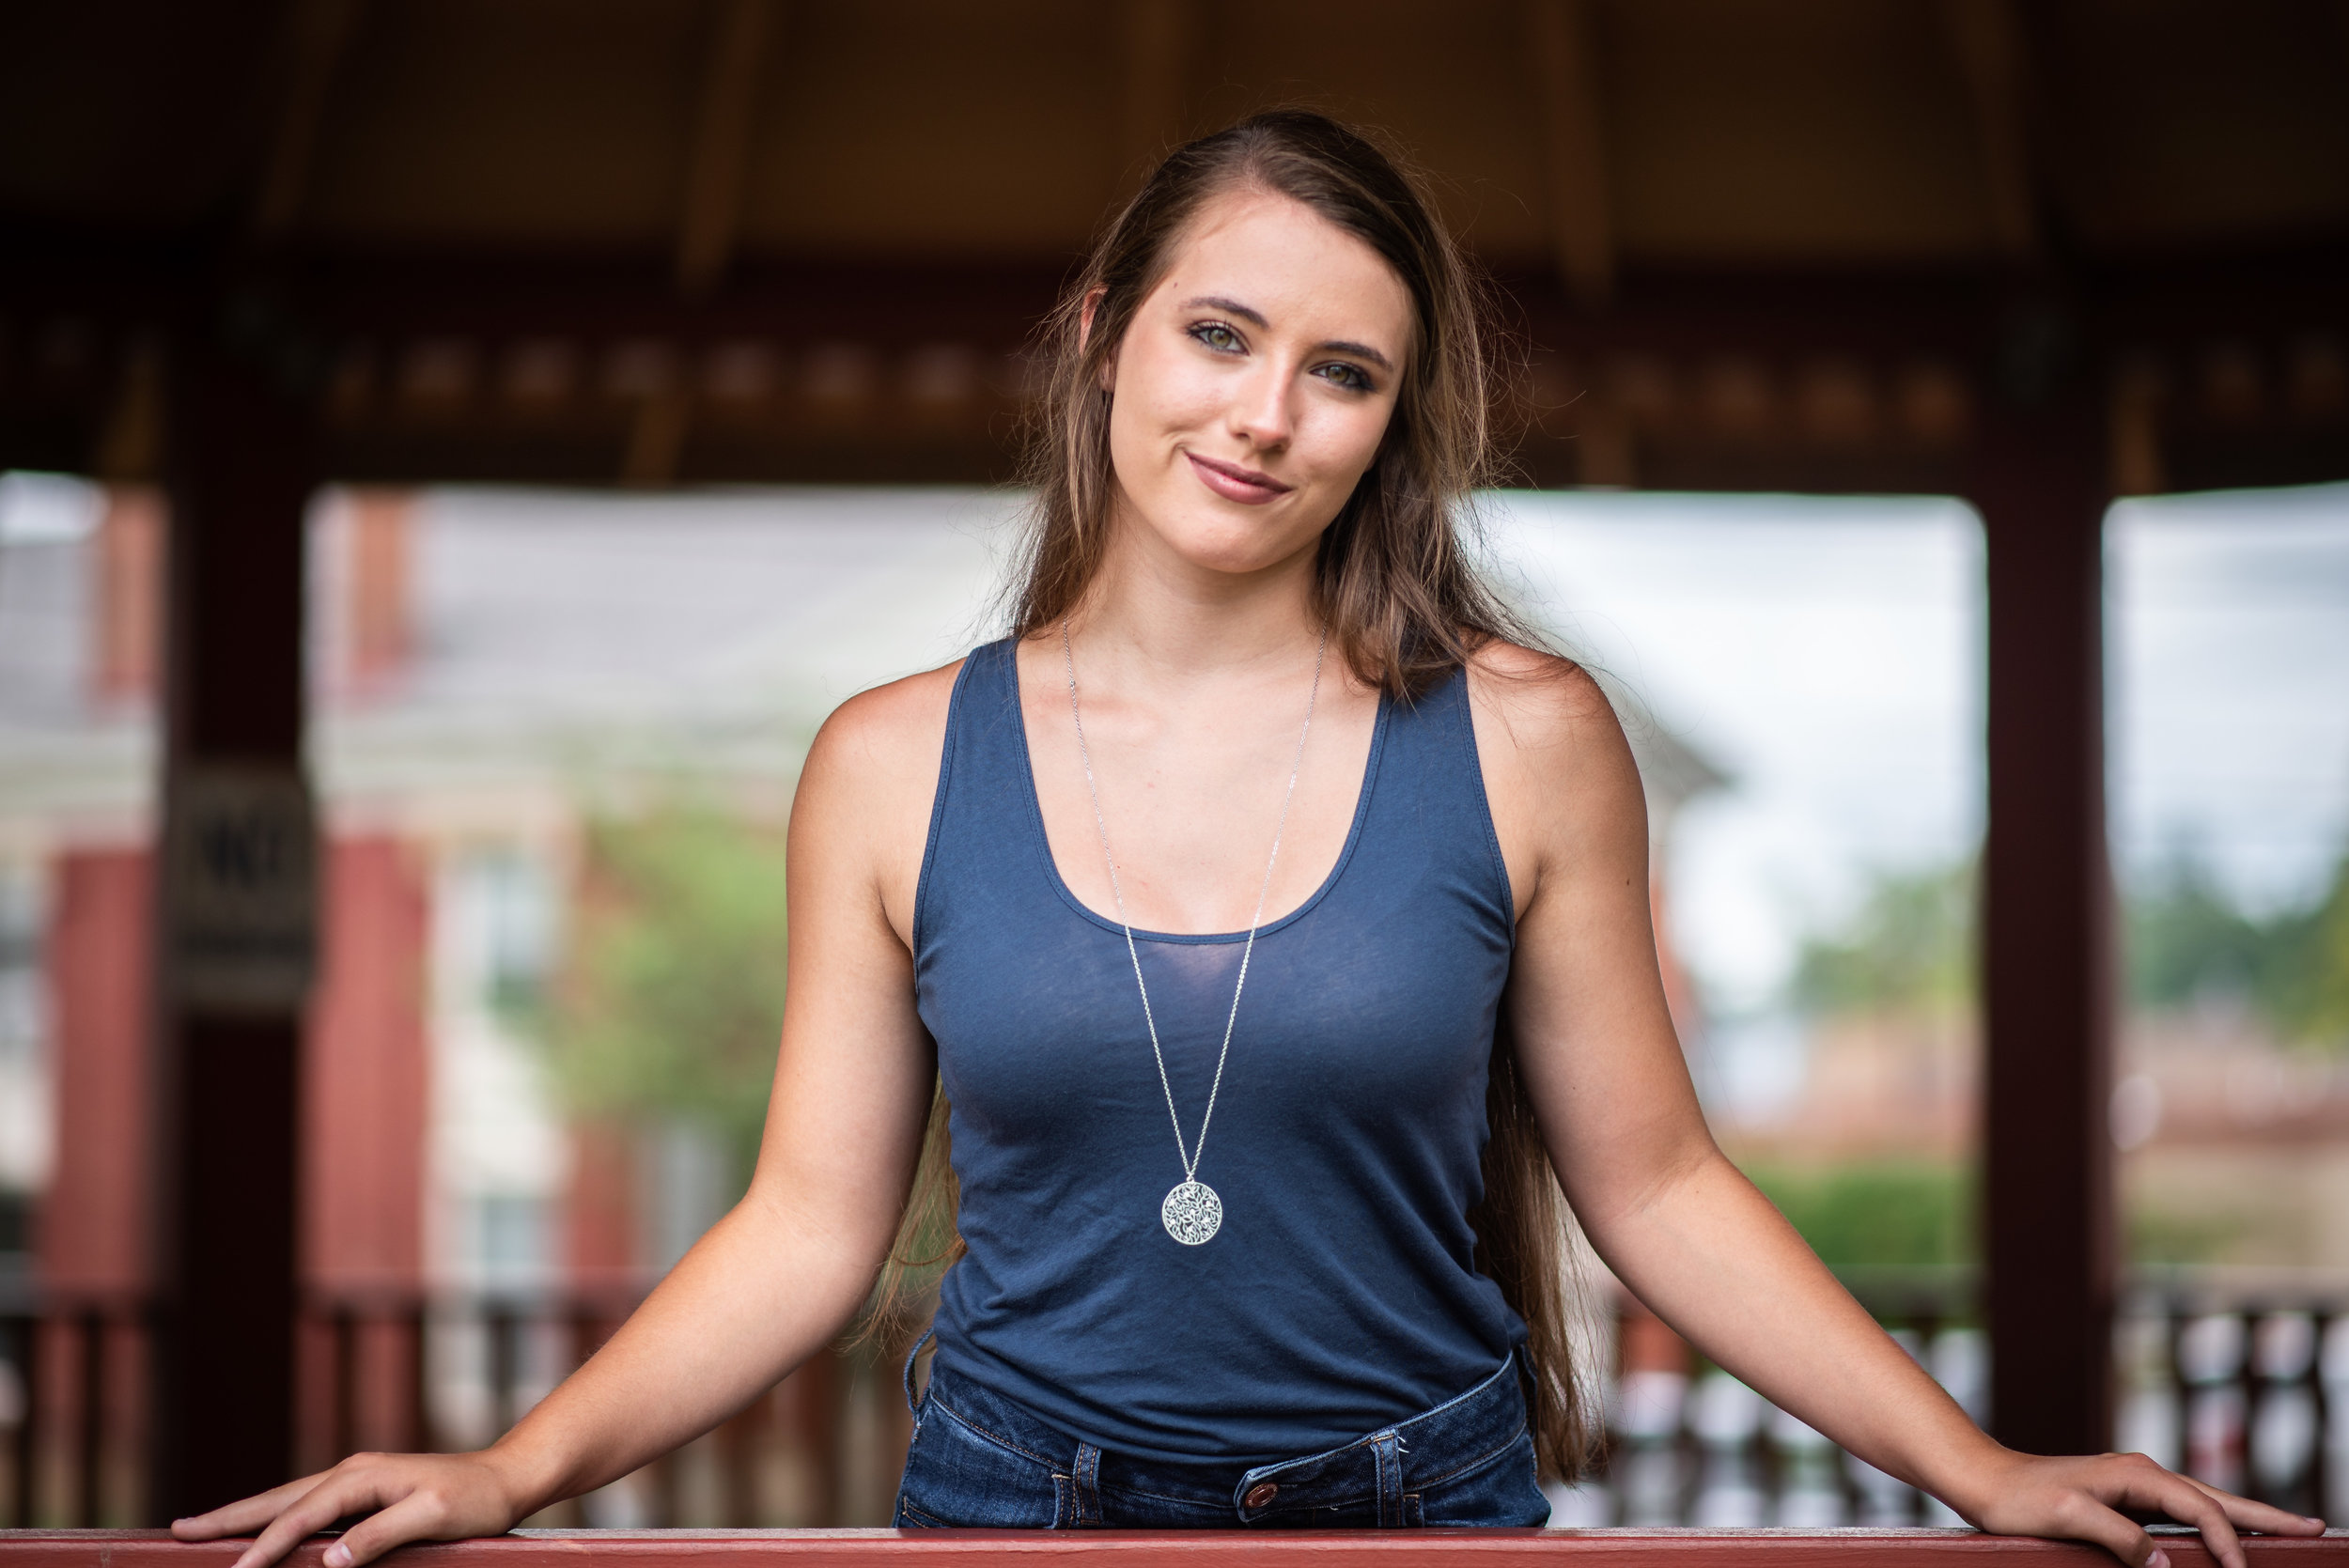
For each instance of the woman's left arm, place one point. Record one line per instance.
(1675, 1221)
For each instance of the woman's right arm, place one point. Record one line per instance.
(786, 1270)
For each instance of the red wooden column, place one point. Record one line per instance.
(228, 1096)
(2039, 483)
(93, 1217)
(365, 1105)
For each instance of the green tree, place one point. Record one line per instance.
(670, 1001)
(2308, 992)
(1907, 949)
(2187, 939)
(1875, 1214)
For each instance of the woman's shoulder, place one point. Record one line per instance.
(1539, 703)
(864, 800)
(1559, 773)
(875, 761)
(881, 732)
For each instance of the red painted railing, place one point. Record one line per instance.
(882, 1549)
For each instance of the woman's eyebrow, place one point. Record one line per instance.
(1359, 351)
(1230, 307)
(1256, 317)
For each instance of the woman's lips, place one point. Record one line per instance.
(1237, 484)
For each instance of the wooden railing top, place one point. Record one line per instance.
(885, 1548)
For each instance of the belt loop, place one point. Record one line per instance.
(928, 1335)
(1088, 1479)
(1384, 1449)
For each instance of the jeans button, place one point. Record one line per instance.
(1260, 1494)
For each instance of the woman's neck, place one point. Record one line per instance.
(1155, 617)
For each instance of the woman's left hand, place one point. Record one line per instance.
(2081, 1499)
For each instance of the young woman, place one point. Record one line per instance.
(1275, 918)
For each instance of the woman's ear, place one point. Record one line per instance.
(1084, 335)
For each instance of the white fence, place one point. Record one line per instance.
(2249, 1394)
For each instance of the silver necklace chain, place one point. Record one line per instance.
(1189, 1154)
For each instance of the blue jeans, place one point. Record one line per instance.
(977, 1459)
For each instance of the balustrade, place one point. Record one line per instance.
(2242, 1383)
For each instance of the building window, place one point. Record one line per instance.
(507, 911)
(513, 1239)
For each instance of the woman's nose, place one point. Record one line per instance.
(1260, 411)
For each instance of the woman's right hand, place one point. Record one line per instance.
(404, 1497)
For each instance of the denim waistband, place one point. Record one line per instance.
(1376, 1469)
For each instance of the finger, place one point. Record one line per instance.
(417, 1517)
(2086, 1519)
(341, 1493)
(2190, 1504)
(244, 1515)
(2248, 1514)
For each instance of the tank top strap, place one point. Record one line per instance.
(1431, 794)
(1423, 792)
(980, 783)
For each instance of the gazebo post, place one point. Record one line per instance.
(2038, 479)
(233, 916)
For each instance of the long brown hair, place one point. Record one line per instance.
(1392, 583)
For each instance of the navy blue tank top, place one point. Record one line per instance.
(1340, 1294)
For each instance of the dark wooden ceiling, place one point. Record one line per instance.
(1724, 131)
(826, 229)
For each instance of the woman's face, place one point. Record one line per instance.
(1254, 383)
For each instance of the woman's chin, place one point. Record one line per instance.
(1227, 549)
(1230, 562)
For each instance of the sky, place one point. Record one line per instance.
(2227, 676)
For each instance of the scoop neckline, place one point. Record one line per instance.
(1043, 841)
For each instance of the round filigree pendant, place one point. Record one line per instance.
(1191, 1212)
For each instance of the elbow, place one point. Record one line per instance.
(1626, 1193)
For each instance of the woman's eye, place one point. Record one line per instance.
(1347, 375)
(1216, 335)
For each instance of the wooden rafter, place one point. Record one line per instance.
(1986, 38)
(1573, 145)
(319, 33)
(712, 212)
(837, 372)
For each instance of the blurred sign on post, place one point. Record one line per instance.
(243, 894)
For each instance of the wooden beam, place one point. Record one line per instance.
(1157, 45)
(318, 36)
(1986, 38)
(656, 439)
(712, 213)
(130, 449)
(228, 1071)
(511, 341)
(2134, 427)
(1574, 146)
(2039, 481)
